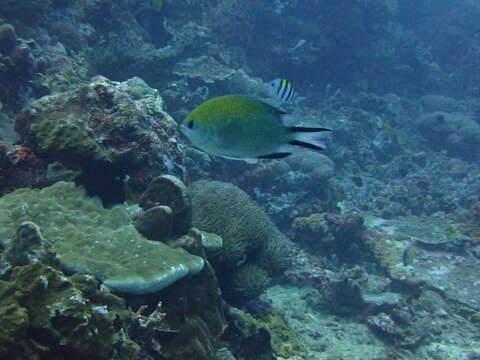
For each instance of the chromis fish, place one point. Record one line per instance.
(243, 127)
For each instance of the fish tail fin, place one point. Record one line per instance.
(308, 137)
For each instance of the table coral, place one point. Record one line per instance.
(89, 238)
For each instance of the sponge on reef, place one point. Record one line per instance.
(89, 238)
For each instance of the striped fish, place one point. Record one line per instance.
(283, 90)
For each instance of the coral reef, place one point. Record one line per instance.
(76, 227)
(454, 132)
(248, 282)
(169, 191)
(46, 314)
(367, 250)
(105, 128)
(17, 67)
(224, 209)
(26, 10)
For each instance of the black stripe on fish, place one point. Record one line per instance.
(290, 93)
(306, 144)
(280, 85)
(287, 83)
(275, 155)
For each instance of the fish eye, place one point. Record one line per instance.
(190, 124)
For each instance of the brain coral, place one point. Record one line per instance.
(89, 238)
(226, 210)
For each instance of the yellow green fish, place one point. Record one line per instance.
(243, 127)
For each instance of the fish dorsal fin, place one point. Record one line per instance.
(269, 107)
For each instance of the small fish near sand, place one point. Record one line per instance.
(243, 127)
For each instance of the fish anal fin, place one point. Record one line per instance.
(279, 155)
(306, 144)
(307, 129)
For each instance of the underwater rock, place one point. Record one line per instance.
(8, 39)
(106, 130)
(433, 103)
(310, 230)
(57, 171)
(248, 282)
(242, 83)
(456, 132)
(28, 10)
(103, 242)
(284, 339)
(21, 168)
(50, 317)
(17, 67)
(5, 162)
(194, 307)
(156, 223)
(211, 241)
(347, 229)
(320, 167)
(205, 68)
(170, 191)
(407, 335)
(7, 132)
(443, 258)
(246, 338)
(28, 244)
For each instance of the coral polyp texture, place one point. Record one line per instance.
(88, 238)
(226, 210)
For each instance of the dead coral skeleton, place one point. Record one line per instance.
(148, 321)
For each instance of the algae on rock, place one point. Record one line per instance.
(89, 238)
(44, 315)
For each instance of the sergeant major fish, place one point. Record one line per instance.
(243, 127)
(283, 90)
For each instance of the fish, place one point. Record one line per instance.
(409, 255)
(300, 43)
(157, 5)
(283, 90)
(244, 127)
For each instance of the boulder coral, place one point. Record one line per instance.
(108, 129)
(456, 132)
(226, 210)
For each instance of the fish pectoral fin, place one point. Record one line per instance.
(279, 155)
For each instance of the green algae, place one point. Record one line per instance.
(58, 138)
(39, 303)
